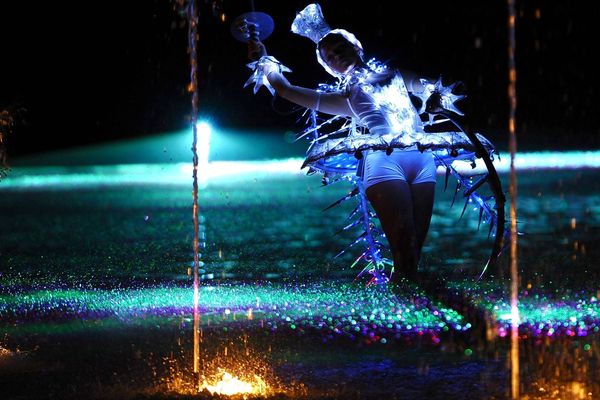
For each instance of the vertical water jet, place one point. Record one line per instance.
(514, 272)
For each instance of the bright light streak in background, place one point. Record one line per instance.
(542, 160)
(178, 173)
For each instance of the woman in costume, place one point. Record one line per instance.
(397, 170)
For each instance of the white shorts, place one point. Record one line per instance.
(411, 166)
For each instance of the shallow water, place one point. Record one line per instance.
(96, 296)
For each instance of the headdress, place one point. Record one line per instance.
(310, 23)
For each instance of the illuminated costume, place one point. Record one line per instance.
(383, 139)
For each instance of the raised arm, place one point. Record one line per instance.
(329, 103)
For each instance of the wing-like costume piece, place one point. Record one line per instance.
(337, 156)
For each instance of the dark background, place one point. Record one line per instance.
(84, 72)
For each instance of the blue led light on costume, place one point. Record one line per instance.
(448, 98)
(261, 69)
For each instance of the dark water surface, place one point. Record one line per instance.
(95, 298)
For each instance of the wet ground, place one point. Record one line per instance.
(96, 295)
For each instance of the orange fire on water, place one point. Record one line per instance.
(553, 391)
(230, 385)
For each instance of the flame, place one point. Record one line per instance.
(566, 390)
(5, 353)
(230, 385)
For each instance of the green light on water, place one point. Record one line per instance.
(318, 306)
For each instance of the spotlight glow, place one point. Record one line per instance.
(203, 130)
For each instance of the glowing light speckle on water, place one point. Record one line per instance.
(332, 310)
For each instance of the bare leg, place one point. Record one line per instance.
(422, 196)
(393, 203)
(404, 212)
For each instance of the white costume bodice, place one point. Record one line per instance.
(381, 103)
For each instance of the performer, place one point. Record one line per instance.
(397, 170)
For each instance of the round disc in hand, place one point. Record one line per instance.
(259, 22)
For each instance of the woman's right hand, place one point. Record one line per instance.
(256, 50)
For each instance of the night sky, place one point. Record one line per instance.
(87, 72)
